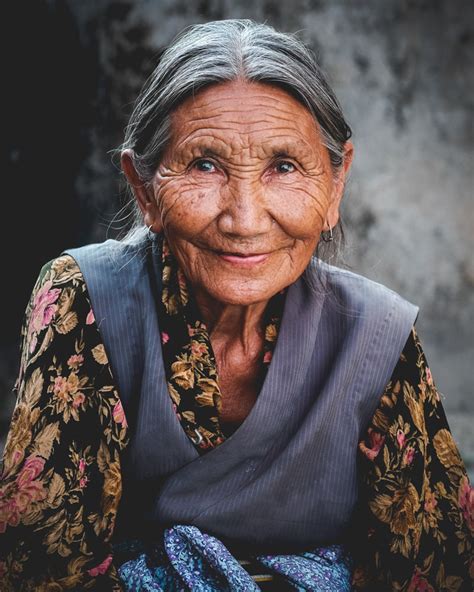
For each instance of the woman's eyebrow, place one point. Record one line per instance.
(206, 149)
(286, 148)
(282, 153)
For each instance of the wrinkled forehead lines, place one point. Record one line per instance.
(239, 144)
(243, 116)
(219, 104)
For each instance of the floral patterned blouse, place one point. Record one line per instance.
(61, 480)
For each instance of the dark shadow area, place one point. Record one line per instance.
(47, 89)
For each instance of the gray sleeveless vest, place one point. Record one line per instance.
(286, 479)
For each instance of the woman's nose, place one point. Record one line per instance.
(244, 211)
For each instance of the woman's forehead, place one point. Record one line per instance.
(208, 145)
(243, 113)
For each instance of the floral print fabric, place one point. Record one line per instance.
(61, 480)
(416, 503)
(61, 484)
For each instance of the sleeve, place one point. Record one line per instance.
(60, 483)
(416, 513)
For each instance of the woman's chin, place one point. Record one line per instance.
(242, 293)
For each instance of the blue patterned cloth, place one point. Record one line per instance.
(188, 559)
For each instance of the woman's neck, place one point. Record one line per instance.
(232, 322)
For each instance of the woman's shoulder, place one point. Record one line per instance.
(59, 272)
(112, 253)
(339, 280)
(58, 307)
(59, 293)
(356, 296)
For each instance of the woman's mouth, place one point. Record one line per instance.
(243, 259)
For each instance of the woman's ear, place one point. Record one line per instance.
(332, 217)
(142, 191)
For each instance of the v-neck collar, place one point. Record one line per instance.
(287, 370)
(189, 359)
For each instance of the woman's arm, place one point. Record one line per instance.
(61, 482)
(418, 502)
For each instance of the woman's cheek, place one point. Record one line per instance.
(300, 211)
(187, 206)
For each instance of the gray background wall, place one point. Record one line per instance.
(402, 71)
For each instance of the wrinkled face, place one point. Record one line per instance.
(244, 190)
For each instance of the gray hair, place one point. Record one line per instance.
(222, 51)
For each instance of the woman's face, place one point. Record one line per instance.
(244, 190)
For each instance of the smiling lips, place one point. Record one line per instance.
(243, 260)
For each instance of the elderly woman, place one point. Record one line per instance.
(205, 405)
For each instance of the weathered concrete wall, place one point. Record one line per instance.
(401, 70)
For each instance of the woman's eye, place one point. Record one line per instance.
(206, 166)
(284, 166)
